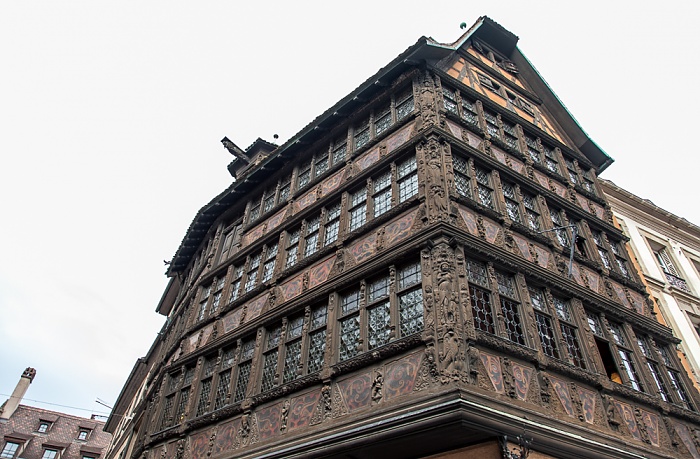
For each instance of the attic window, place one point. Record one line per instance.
(489, 84)
(44, 427)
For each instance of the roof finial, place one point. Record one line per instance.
(463, 25)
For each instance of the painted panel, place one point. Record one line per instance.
(319, 272)
(255, 307)
(332, 183)
(226, 437)
(651, 421)
(192, 342)
(598, 210)
(516, 165)
(472, 139)
(561, 388)
(305, 200)
(491, 230)
(399, 229)
(627, 414)
(583, 202)
(232, 320)
(469, 220)
(455, 129)
(269, 419)
(620, 292)
(364, 248)
(356, 391)
(206, 333)
(253, 234)
(274, 221)
(588, 399)
(593, 279)
(542, 179)
(399, 138)
(199, 445)
(292, 287)
(499, 154)
(400, 376)
(493, 370)
(687, 439)
(523, 246)
(542, 256)
(366, 160)
(521, 376)
(637, 301)
(301, 409)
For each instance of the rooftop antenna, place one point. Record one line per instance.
(101, 402)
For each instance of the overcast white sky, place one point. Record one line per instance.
(111, 115)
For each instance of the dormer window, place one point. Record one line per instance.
(83, 434)
(44, 427)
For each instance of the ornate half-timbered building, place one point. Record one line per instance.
(428, 269)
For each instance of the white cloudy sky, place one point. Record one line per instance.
(111, 115)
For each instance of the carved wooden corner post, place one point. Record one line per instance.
(425, 90)
(447, 312)
(430, 153)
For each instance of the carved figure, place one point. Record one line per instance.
(284, 416)
(377, 386)
(611, 412)
(473, 356)
(450, 352)
(543, 381)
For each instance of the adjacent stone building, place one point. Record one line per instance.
(27, 432)
(428, 269)
(667, 248)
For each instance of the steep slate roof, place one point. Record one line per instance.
(424, 50)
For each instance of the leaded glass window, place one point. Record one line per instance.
(492, 124)
(653, 367)
(410, 298)
(304, 175)
(218, 291)
(235, 283)
(511, 135)
(362, 134)
(407, 172)
(222, 389)
(206, 291)
(332, 225)
(382, 121)
(269, 266)
(568, 331)
(358, 209)
(317, 339)
(484, 188)
(620, 258)
(481, 309)
(349, 337)
(560, 232)
(532, 149)
(204, 393)
(546, 332)
(602, 252)
(512, 206)
(292, 248)
(510, 307)
(254, 212)
(450, 100)
(269, 370)
(321, 165)
(268, 201)
(550, 158)
(533, 216)
(462, 176)
(292, 352)
(167, 411)
(571, 169)
(378, 320)
(244, 366)
(404, 104)
(382, 193)
(476, 272)
(626, 360)
(253, 265)
(311, 238)
(285, 189)
(469, 113)
(340, 149)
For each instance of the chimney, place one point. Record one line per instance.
(11, 404)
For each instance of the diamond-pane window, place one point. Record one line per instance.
(481, 309)
(544, 329)
(222, 389)
(362, 135)
(204, 392)
(292, 361)
(383, 121)
(319, 316)
(269, 371)
(378, 325)
(511, 316)
(242, 381)
(476, 272)
(350, 302)
(317, 348)
(411, 311)
(349, 337)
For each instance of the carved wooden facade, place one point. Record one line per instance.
(435, 270)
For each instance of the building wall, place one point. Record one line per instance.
(651, 230)
(62, 434)
(403, 284)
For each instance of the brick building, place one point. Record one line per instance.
(427, 269)
(27, 432)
